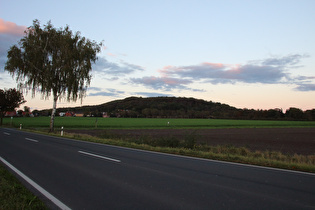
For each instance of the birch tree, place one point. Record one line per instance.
(54, 62)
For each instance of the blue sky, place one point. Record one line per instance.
(248, 54)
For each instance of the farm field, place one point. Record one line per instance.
(288, 137)
(149, 123)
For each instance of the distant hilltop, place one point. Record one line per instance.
(179, 107)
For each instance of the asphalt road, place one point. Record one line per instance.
(81, 175)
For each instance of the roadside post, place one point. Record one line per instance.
(61, 131)
(20, 126)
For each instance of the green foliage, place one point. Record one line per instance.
(190, 140)
(9, 100)
(294, 114)
(53, 61)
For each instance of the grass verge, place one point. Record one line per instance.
(13, 195)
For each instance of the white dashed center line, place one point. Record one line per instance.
(99, 156)
(31, 139)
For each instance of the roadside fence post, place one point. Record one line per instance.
(20, 126)
(62, 131)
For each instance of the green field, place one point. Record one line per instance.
(147, 123)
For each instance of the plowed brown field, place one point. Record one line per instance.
(286, 140)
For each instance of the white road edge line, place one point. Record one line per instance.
(6, 133)
(99, 156)
(37, 187)
(31, 139)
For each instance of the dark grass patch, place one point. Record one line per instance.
(13, 195)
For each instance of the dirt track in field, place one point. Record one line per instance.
(286, 140)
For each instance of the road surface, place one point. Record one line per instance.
(72, 174)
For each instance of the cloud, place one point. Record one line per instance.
(108, 92)
(132, 66)
(149, 94)
(221, 73)
(273, 70)
(111, 54)
(305, 87)
(10, 28)
(164, 83)
(285, 61)
(304, 78)
(268, 71)
(109, 68)
(10, 34)
(94, 89)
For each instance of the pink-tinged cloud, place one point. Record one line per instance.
(7, 27)
(269, 71)
(214, 65)
(111, 54)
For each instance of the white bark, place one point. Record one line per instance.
(53, 113)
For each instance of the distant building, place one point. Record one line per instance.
(70, 114)
(105, 115)
(27, 114)
(10, 114)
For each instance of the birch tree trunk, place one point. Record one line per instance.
(53, 113)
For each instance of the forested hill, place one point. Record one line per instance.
(168, 107)
(180, 107)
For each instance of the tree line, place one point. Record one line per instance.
(181, 107)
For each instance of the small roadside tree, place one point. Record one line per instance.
(9, 100)
(54, 62)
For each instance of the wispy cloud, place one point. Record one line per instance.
(122, 68)
(95, 91)
(305, 87)
(149, 94)
(164, 83)
(285, 61)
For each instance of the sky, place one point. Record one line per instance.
(246, 53)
